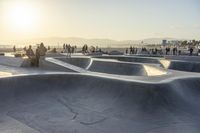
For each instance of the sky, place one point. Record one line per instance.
(111, 19)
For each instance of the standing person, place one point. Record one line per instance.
(126, 51)
(86, 48)
(42, 50)
(37, 56)
(75, 48)
(30, 54)
(14, 48)
(166, 50)
(63, 48)
(191, 51)
(40, 54)
(198, 50)
(156, 51)
(131, 49)
(136, 49)
(174, 51)
(179, 52)
(169, 50)
(69, 50)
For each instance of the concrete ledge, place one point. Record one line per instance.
(11, 61)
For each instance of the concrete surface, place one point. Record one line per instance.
(109, 66)
(11, 61)
(41, 100)
(79, 103)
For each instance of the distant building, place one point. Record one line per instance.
(174, 42)
(164, 42)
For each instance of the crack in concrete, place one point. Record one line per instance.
(92, 123)
(69, 108)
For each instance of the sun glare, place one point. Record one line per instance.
(21, 16)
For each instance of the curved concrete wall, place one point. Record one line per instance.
(117, 68)
(68, 103)
(131, 59)
(181, 65)
(77, 61)
(111, 66)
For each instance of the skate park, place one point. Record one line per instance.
(101, 94)
(99, 66)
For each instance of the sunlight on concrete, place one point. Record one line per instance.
(165, 63)
(152, 71)
(5, 74)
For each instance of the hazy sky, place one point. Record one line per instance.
(113, 19)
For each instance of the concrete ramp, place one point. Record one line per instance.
(131, 59)
(181, 65)
(82, 62)
(117, 68)
(87, 104)
(112, 66)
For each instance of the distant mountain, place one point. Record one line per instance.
(59, 41)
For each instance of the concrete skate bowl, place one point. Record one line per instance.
(82, 62)
(114, 67)
(44, 65)
(128, 69)
(85, 104)
(131, 59)
(181, 65)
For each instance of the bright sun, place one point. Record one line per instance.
(21, 16)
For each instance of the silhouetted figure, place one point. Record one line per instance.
(42, 50)
(40, 53)
(131, 50)
(54, 50)
(179, 52)
(127, 51)
(75, 49)
(30, 54)
(64, 48)
(156, 51)
(174, 51)
(85, 49)
(191, 51)
(14, 48)
(92, 49)
(167, 50)
(37, 56)
(69, 49)
(136, 49)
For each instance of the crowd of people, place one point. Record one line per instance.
(34, 57)
(133, 50)
(41, 50)
(162, 51)
(67, 48)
